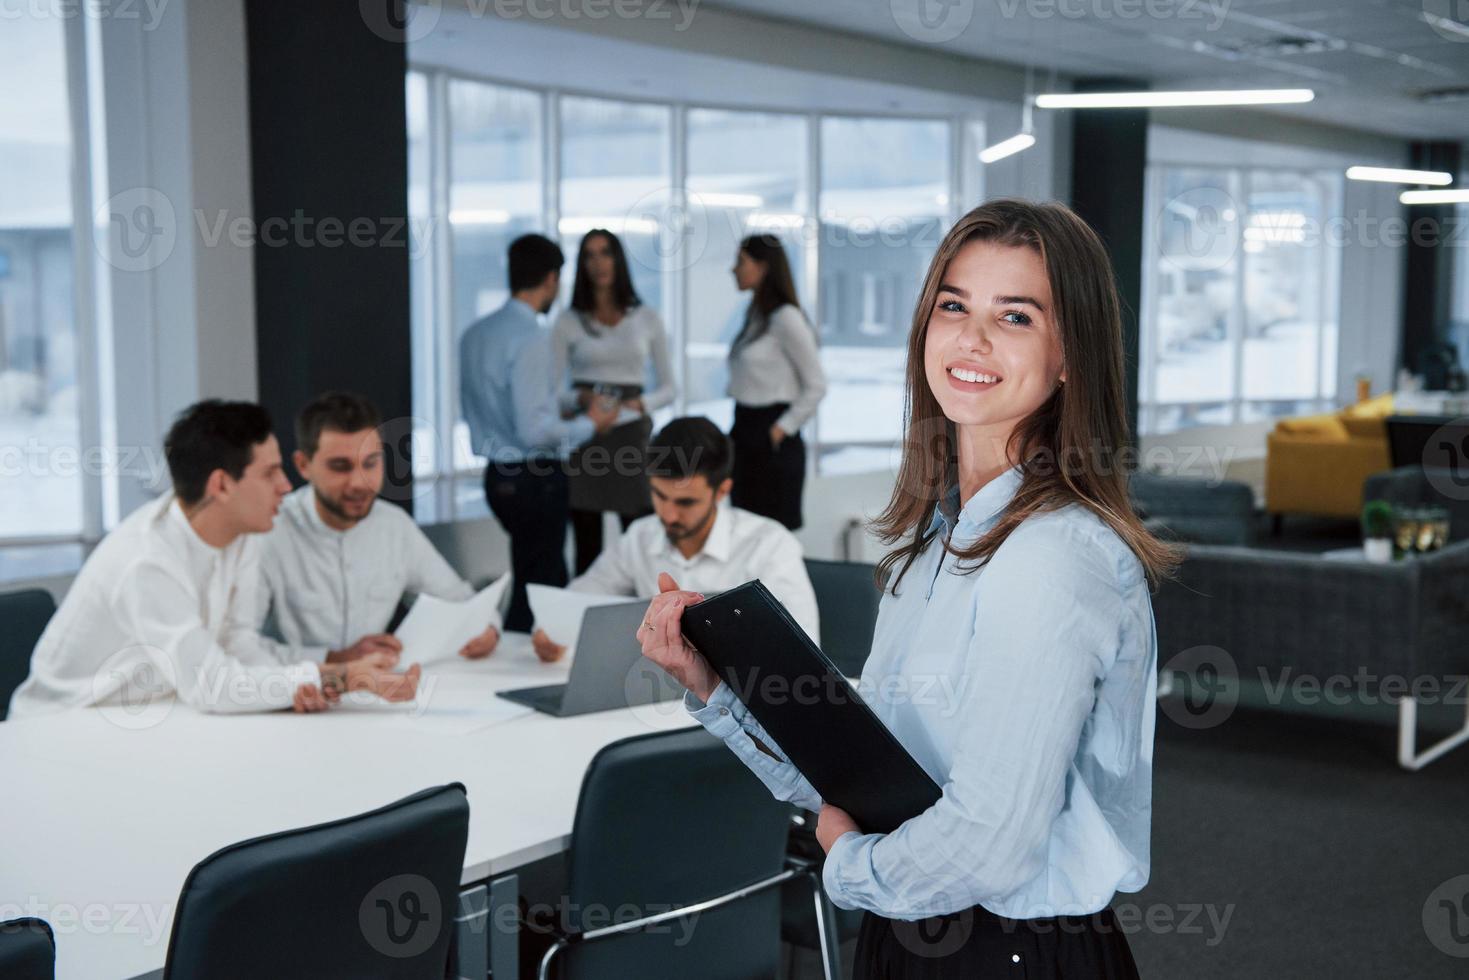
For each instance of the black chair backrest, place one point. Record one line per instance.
(846, 600)
(369, 896)
(665, 821)
(23, 618)
(27, 950)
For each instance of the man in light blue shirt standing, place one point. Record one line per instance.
(508, 396)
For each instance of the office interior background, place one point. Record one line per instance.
(245, 199)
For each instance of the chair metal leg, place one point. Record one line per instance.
(1408, 756)
(543, 972)
(826, 929)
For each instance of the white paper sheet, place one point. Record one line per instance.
(559, 611)
(435, 629)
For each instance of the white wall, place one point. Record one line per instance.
(176, 140)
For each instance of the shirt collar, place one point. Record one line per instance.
(982, 508)
(521, 307)
(719, 543)
(195, 547)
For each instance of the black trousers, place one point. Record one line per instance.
(529, 499)
(976, 944)
(767, 481)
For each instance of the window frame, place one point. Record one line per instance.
(963, 183)
(1238, 179)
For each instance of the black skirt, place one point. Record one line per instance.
(767, 481)
(976, 944)
(607, 473)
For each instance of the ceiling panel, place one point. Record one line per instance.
(1369, 60)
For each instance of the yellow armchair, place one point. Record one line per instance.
(1316, 464)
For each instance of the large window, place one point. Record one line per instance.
(681, 185)
(615, 161)
(885, 202)
(1239, 319)
(747, 175)
(40, 418)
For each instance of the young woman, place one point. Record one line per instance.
(606, 340)
(1014, 654)
(776, 381)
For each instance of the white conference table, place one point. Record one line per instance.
(106, 810)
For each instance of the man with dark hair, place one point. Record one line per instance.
(508, 397)
(338, 563)
(707, 544)
(165, 603)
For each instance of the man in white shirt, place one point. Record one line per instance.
(165, 604)
(338, 563)
(695, 534)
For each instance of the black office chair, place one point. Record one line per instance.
(23, 618)
(369, 896)
(675, 855)
(846, 600)
(27, 950)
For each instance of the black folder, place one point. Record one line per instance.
(817, 719)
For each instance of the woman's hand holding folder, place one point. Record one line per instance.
(663, 642)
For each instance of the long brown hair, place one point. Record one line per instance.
(1069, 448)
(777, 287)
(584, 294)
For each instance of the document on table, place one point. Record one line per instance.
(559, 611)
(436, 629)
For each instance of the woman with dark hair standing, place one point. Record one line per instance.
(605, 342)
(776, 380)
(1015, 655)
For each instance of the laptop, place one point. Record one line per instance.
(608, 671)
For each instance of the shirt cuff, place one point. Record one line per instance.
(721, 715)
(298, 673)
(849, 850)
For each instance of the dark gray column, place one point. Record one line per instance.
(1428, 280)
(329, 161)
(1109, 153)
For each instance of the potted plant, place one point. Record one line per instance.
(1377, 531)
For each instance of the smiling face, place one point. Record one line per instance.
(345, 473)
(992, 353)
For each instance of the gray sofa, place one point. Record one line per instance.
(1324, 618)
(1188, 509)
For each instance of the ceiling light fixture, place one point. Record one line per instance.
(1022, 140)
(1457, 195)
(1394, 175)
(1169, 100)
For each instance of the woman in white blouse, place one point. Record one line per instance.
(1015, 655)
(604, 343)
(776, 380)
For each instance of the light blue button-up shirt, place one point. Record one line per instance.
(507, 392)
(1027, 690)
